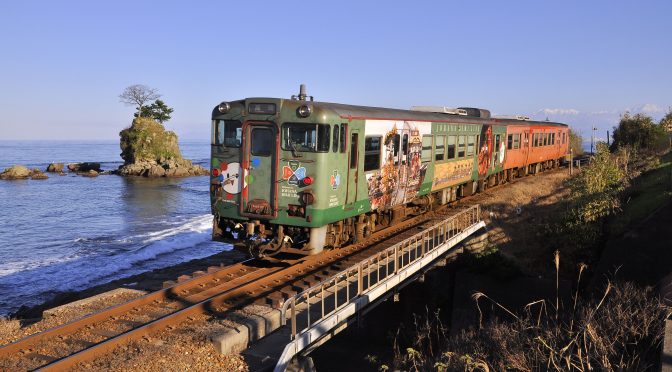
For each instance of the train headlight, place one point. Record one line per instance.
(224, 107)
(304, 111)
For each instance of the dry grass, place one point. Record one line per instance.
(620, 330)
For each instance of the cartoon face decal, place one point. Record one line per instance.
(293, 173)
(230, 177)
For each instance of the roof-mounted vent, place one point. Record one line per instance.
(440, 110)
(512, 117)
(476, 112)
(302, 94)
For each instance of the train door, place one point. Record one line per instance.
(260, 175)
(353, 166)
(525, 146)
(401, 164)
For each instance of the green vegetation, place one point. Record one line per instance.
(640, 133)
(157, 111)
(651, 190)
(575, 142)
(147, 140)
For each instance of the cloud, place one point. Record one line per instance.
(648, 108)
(558, 111)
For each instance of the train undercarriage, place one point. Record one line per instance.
(263, 239)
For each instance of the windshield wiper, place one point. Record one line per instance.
(295, 152)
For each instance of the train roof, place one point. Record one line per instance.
(367, 112)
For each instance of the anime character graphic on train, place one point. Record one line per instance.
(300, 176)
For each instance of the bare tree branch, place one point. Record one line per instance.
(138, 95)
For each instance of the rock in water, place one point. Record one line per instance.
(55, 168)
(84, 167)
(16, 172)
(37, 174)
(151, 151)
(90, 173)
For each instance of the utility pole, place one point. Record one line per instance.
(592, 139)
(608, 139)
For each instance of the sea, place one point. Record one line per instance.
(68, 233)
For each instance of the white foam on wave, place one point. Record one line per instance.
(157, 249)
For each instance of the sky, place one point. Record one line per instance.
(64, 63)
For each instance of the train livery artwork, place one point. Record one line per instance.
(401, 170)
(298, 176)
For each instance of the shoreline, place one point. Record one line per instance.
(149, 281)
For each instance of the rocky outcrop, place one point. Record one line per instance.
(17, 172)
(90, 173)
(37, 174)
(84, 167)
(55, 168)
(149, 150)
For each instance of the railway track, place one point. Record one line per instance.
(216, 292)
(213, 293)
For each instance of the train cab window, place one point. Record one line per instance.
(440, 148)
(344, 130)
(564, 138)
(509, 142)
(404, 145)
(335, 136)
(305, 137)
(471, 147)
(372, 153)
(261, 141)
(461, 146)
(426, 155)
(451, 147)
(228, 133)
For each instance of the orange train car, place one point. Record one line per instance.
(533, 147)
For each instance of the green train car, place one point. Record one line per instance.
(295, 175)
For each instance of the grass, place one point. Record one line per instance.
(622, 329)
(651, 190)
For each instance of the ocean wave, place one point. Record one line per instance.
(157, 249)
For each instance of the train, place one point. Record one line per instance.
(300, 176)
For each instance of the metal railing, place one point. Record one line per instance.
(326, 298)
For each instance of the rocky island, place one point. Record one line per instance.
(151, 151)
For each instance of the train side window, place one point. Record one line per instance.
(440, 148)
(564, 138)
(344, 130)
(545, 139)
(323, 140)
(496, 143)
(372, 153)
(527, 139)
(395, 148)
(509, 142)
(553, 139)
(451, 147)
(335, 144)
(426, 155)
(516, 141)
(404, 145)
(460, 146)
(354, 155)
(471, 147)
